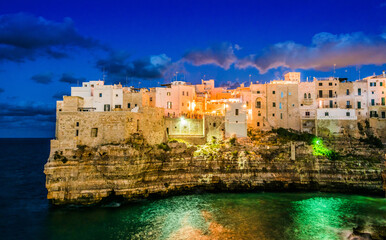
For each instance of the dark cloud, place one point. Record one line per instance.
(118, 66)
(69, 78)
(220, 54)
(59, 95)
(24, 36)
(26, 109)
(230, 85)
(43, 78)
(326, 50)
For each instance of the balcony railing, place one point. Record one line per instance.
(328, 96)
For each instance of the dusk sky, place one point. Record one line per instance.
(48, 46)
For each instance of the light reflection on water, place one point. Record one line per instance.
(224, 216)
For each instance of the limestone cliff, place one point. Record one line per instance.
(134, 169)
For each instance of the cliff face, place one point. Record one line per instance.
(135, 170)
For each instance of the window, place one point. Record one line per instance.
(383, 114)
(305, 95)
(347, 92)
(183, 93)
(135, 105)
(214, 124)
(151, 99)
(118, 106)
(76, 133)
(348, 104)
(372, 102)
(329, 93)
(309, 95)
(281, 115)
(169, 105)
(258, 124)
(236, 112)
(347, 114)
(307, 113)
(116, 95)
(279, 105)
(320, 84)
(331, 104)
(259, 114)
(187, 93)
(289, 93)
(94, 132)
(281, 94)
(258, 92)
(100, 94)
(128, 105)
(188, 104)
(273, 92)
(106, 107)
(330, 84)
(326, 114)
(359, 91)
(182, 104)
(381, 84)
(77, 124)
(168, 93)
(383, 101)
(359, 105)
(273, 104)
(320, 93)
(273, 114)
(258, 104)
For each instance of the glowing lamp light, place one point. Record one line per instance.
(183, 120)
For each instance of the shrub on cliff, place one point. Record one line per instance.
(292, 135)
(372, 141)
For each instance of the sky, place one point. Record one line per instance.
(48, 46)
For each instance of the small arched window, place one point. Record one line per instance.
(305, 95)
(309, 95)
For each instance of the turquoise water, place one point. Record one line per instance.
(26, 214)
(223, 216)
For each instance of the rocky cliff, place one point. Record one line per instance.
(134, 169)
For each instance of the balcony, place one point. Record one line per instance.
(348, 106)
(328, 96)
(308, 116)
(307, 101)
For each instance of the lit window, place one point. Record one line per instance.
(169, 105)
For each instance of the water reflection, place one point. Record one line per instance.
(321, 218)
(222, 216)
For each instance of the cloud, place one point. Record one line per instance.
(69, 78)
(24, 36)
(26, 109)
(43, 78)
(119, 66)
(326, 50)
(59, 95)
(221, 55)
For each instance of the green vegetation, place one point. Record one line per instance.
(319, 149)
(292, 135)
(164, 146)
(373, 141)
(232, 141)
(209, 150)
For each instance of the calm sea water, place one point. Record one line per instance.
(26, 214)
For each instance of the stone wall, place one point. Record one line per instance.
(96, 128)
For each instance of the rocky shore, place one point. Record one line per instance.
(134, 169)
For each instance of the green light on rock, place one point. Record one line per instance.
(319, 149)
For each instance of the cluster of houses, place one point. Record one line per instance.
(322, 106)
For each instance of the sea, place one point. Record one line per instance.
(25, 213)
